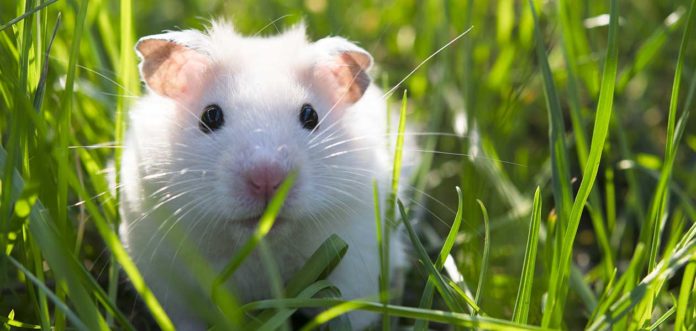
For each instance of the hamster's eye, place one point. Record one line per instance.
(308, 117)
(211, 119)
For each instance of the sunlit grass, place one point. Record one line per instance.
(556, 172)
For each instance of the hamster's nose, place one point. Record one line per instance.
(263, 179)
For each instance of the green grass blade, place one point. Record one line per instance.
(447, 317)
(681, 128)
(32, 250)
(558, 282)
(581, 288)
(26, 14)
(34, 253)
(113, 243)
(450, 299)
(610, 198)
(570, 36)
(390, 215)
(660, 200)
(453, 232)
(333, 312)
(396, 169)
(666, 316)
(58, 257)
(615, 287)
(105, 300)
(652, 232)
(561, 178)
(128, 82)
(684, 295)
(9, 322)
(486, 253)
(646, 54)
(276, 320)
(74, 319)
(270, 265)
(607, 290)
(319, 265)
(559, 162)
(63, 117)
(524, 293)
(383, 267)
(674, 98)
(685, 252)
(427, 296)
(26, 44)
(271, 269)
(684, 198)
(265, 224)
(475, 309)
(41, 87)
(13, 140)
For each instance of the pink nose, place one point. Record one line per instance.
(263, 179)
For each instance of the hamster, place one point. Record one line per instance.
(224, 120)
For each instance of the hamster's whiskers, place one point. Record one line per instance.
(178, 172)
(167, 198)
(389, 93)
(369, 175)
(201, 217)
(392, 134)
(187, 208)
(110, 144)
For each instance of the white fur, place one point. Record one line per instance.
(174, 174)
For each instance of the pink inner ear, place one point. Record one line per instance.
(342, 78)
(174, 70)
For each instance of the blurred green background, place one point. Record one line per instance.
(486, 88)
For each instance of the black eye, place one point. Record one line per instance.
(212, 119)
(308, 117)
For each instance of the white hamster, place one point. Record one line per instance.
(225, 119)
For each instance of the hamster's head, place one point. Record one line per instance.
(241, 113)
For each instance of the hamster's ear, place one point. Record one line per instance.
(341, 70)
(171, 67)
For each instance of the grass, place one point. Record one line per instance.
(557, 161)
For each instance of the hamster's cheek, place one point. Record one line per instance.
(311, 196)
